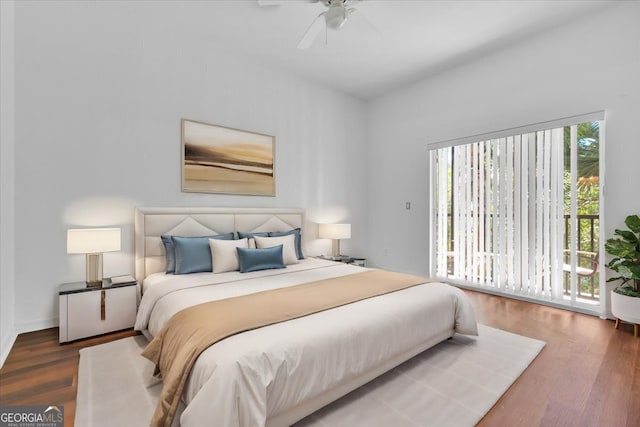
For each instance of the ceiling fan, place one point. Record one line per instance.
(335, 17)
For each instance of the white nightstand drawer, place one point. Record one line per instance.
(95, 312)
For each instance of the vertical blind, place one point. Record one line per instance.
(498, 212)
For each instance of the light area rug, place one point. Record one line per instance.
(452, 384)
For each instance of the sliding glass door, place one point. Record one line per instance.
(519, 213)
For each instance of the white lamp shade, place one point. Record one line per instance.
(334, 231)
(93, 240)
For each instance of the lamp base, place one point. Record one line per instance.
(94, 286)
(94, 270)
(335, 252)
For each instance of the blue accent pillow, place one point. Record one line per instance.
(260, 259)
(249, 235)
(171, 252)
(298, 239)
(193, 254)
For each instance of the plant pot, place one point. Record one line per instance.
(625, 308)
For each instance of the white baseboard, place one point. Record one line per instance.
(21, 329)
(6, 347)
(36, 325)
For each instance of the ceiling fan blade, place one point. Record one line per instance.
(312, 32)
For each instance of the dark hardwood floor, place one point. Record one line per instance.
(587, 375)
(39, 371)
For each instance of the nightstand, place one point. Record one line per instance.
(360, 262)
(88, 311)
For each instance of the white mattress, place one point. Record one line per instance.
(278, 374)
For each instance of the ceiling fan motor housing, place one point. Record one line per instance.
(336, 16)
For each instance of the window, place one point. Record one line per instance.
(518, 211)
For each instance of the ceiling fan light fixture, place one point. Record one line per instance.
(336, 17)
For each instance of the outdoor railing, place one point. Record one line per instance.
(587, 238)
(588, 230)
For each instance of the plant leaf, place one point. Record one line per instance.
(627, 272)
(633, 222)
(620, 248)
(627, 236)
(613, 263)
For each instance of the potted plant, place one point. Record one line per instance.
(625, 248)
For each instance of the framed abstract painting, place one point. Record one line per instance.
(218, 159)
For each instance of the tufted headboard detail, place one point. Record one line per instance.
(151, 223)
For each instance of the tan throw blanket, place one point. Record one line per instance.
(189, 332)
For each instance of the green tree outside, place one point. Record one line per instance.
(588, 195)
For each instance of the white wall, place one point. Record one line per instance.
(588, 65)
(7, 180)
(100, 90)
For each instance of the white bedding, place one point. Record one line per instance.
(278, 374)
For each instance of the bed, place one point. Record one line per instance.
(276, 375)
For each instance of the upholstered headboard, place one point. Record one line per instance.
(151, 223)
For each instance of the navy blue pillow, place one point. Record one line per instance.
(298, 239)
(193, 254)
(260, 259)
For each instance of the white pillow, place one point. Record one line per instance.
(224, 256)
(288, 246)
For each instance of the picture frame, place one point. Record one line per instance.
(222, 160)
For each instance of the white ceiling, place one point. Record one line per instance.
(415, 38)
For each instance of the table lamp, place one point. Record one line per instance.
(335, 232)
(93, 242)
